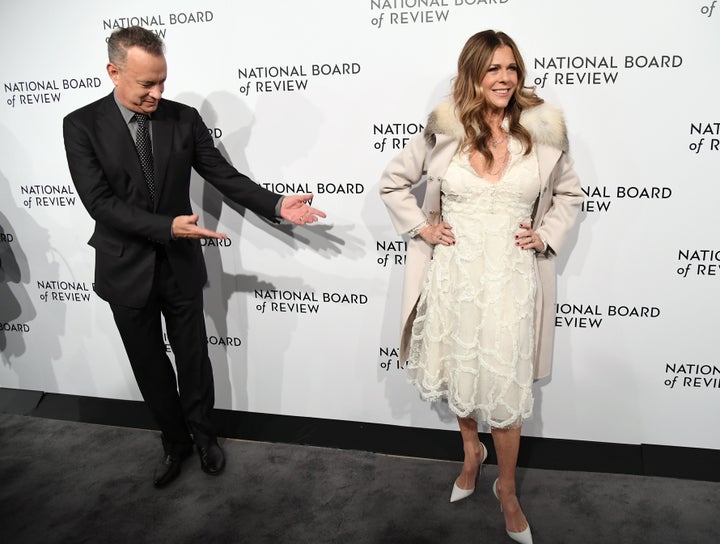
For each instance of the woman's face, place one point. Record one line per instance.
(501, 79)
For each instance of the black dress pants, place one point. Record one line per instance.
(182, 405)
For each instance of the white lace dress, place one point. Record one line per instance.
(473, 338)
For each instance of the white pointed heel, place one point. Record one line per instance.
(459, 493)
(524, 536)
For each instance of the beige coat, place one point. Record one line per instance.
(555, 214)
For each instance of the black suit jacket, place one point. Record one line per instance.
(108, 177)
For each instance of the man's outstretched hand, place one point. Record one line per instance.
(185, 226)
(296, 209)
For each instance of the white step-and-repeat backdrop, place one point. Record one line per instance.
(318, 95)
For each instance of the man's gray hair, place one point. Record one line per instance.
(135, 36)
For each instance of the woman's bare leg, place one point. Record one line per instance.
(507, 445)
(473, 453)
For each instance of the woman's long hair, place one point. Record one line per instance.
(470, 103)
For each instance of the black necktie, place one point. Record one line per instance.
(144, 149)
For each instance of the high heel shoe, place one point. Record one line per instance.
(524, 536)
(459, 493)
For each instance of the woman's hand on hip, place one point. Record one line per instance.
(438, 234)
(527, 238)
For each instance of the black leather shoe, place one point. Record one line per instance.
(212, 458)
(169, 468)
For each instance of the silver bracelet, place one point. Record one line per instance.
(415, 231)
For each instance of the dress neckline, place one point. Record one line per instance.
(464, 161)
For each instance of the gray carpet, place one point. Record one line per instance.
(65, 482)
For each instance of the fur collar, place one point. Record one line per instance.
(545, 123)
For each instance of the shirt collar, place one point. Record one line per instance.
(126, 113)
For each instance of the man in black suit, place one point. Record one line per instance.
(130, 156)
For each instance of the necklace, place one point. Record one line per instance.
(501, 164)
(494, 142)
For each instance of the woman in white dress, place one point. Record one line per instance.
(479, 291)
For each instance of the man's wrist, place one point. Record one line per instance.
(278, 207)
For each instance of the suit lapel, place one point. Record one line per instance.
(112, 130)
(162, 132)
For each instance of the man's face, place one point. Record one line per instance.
(140, 81)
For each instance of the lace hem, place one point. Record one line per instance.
(479, 413)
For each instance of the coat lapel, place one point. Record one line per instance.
(547, 159)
